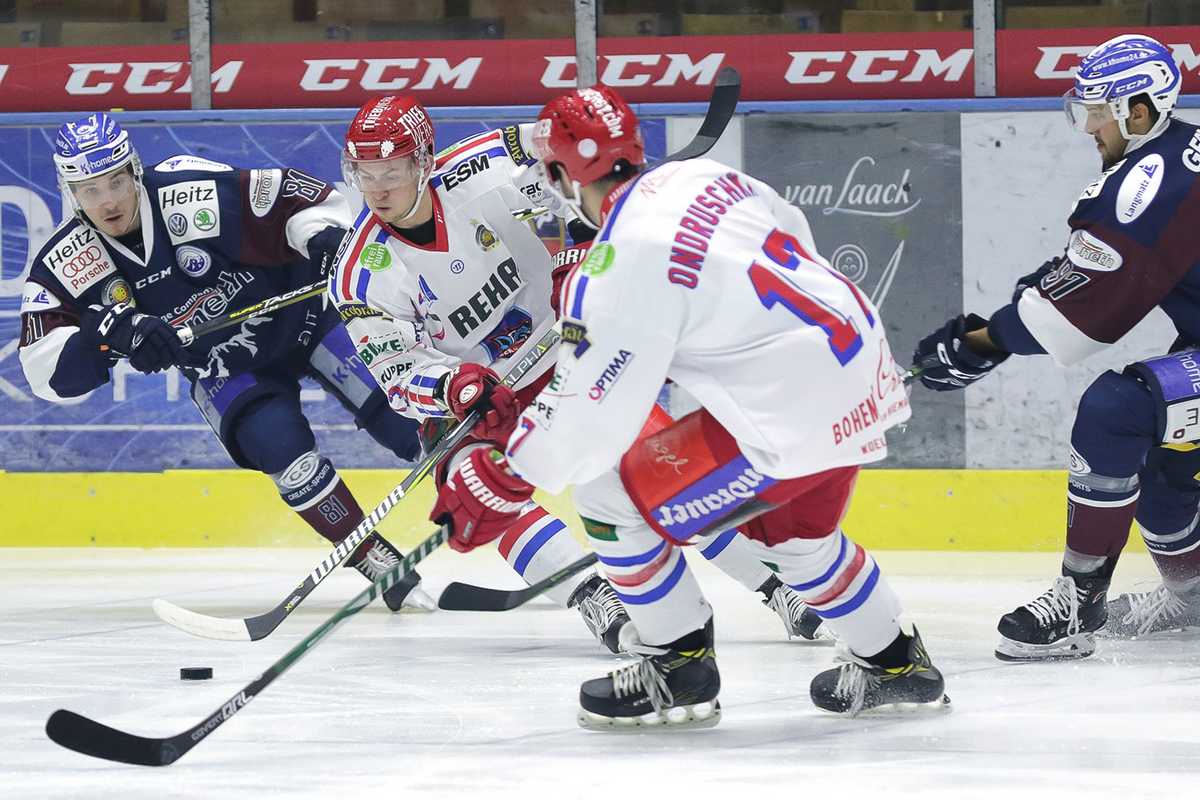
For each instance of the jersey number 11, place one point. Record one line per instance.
(774, 287)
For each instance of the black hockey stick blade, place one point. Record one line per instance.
(721, 107)
(91, 738)
(468, 597)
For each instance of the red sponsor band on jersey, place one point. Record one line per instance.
(531, 71)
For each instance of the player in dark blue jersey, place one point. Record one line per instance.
(1134, 245)
(184, 241)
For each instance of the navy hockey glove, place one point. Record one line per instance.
(323, 249)
(1035, 277)
(946, 362)
(150, 344)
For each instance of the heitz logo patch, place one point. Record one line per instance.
(612, 373)
(190, 209)
(1089, 252)
(1139, 188)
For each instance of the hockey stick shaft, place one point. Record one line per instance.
(260, 626)
(83, 735)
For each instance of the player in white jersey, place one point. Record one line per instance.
(438, 285)
(704, 276)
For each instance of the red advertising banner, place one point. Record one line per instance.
(507, 72)
(528, 72)
(1040, 63)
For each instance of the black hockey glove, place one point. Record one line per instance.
(323, 249)
(1035, 277)
(150, 344)
(580, 231)
(946, 362)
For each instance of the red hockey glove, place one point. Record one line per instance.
(474, 387)
(565, 262)
(480, 499)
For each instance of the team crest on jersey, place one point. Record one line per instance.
(116, 291)
(484, 237)
(507, 337)
(457, 266)
(1139, 188)
(193, 260)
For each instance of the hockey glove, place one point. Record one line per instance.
(474, 387)
(1035, 277)
(323, 249)
(150, 344)
(945, 360)
(480, 500)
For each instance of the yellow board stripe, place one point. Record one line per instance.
(892, 509)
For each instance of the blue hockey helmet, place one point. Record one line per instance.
(93, 146)
(1115, 72)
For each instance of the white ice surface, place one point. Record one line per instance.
(483, 705)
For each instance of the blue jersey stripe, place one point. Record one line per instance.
(837, 562)
(659, 591)
(718, 546)
(629, 561)
(853, 603)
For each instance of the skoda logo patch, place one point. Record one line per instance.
(193, 260)
(177, 224)
(205, 219)
(457, 266)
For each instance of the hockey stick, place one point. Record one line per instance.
(258, 627)
(83, 735)
(459, 596)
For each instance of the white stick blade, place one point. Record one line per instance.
(202, 625)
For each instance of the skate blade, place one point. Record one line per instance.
(1080, 645)
(693, 717)
(938, 705)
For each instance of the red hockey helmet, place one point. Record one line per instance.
(588, 132)
(389, 146)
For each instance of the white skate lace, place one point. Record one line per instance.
(378, 560)
(1058, 603)
(854, 680)
(600, 609)
(787, 604)
(644, 675)
(1147, 609)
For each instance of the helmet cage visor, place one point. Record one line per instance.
(1089, 117)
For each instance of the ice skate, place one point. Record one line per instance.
(664, 688)
(1057, 624)
(376, 556)
(859, 685)
(603, 614)
(1143, 613)
(798, 619)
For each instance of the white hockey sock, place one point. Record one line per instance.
(841, 582)
(734, 555)
(539, 544)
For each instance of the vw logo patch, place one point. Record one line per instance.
(193, 260)
(177, 224)
(457, 266)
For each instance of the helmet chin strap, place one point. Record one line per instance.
(575, 202)
(1121, 111)
(422, 187)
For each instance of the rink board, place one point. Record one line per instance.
(951, 510)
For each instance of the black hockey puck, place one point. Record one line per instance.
(195, 673)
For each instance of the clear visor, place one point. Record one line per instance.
(107, 189)
(1086, 117)
(387, 174)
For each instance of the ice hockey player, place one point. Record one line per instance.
(184, 241)
(705, 276)
(1134, 440)
(442, 288)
